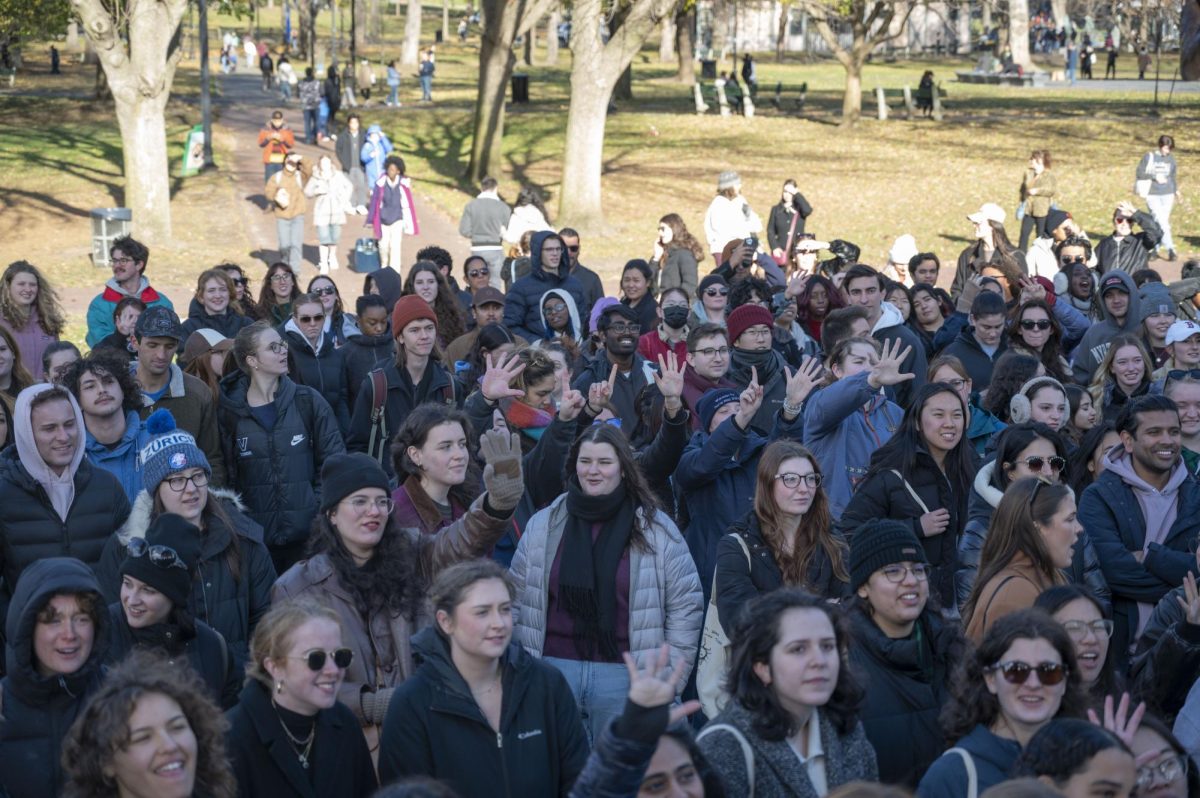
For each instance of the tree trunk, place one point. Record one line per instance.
(445, 20)
(964, 28)
(666, 43)
(552, 23)
(496, 62)
(412, 34)
(579, 201)
(852, 99)
(781, 33)
(985, 15)
(685, 46)
(1018, 33)
(527, 49)
(144, 144)
(1062, 17)
(374, 24)
(623, 90)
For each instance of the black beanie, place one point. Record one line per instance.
(343, 474)
(173, 532)
(879, 543)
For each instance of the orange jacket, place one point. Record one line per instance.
(275, 150)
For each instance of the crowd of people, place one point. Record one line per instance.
(765, 525)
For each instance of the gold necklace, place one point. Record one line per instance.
(302, 747)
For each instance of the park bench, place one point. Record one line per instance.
(904, 99)
(992, 79)
(728, 99)
(798, 94)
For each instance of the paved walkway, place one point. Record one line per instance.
(244, 109)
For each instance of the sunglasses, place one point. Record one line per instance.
(484, 272)
(240, 281)
(1067, 260)
(558, 308)
(1036, 462)
(573, 249)
(160, 556)
(1119, 219)
(324, 291)
(1049, 673)
(1030, 324)
(1181, 374)
(716, 292)
(311, 319)
(342, 658)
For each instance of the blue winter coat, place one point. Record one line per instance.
(1112, 516)
(523, 302)
(993, 757)
(842, 436)
(715, 483)
(374, 154)
(121, 460)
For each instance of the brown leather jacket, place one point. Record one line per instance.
(383, 655)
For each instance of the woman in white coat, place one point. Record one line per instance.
(331, 190)
(729, 215)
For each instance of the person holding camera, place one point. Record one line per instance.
(729, 216)
(786, 222)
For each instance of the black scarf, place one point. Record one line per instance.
(587, 575)
(765, 362)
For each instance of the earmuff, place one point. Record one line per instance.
(1020, 409)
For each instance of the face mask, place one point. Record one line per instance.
(675, 317)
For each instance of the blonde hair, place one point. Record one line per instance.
(49, 309)
(273, 635)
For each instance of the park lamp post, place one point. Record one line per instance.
(205, 87)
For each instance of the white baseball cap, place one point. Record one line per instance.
(988, 212)
(1181, 331)
(903, 249)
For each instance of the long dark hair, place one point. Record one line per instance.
(1013, 530)
(836, 300)
(214, 512)
(490, 338)
(900, 452)
(755, 633)
(631, 475)
(266, 297)
(1051, 354)
(1015, 439)
(816, 528)
(415, 432)
(1012, 370)
(1004, 251)
(1081, 475)
(971, 704)
(1055, 599)
(447, 308)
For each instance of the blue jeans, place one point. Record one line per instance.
(393, 95)
(426, 87)
(285, 89)
(599, 689)
(270, 169)
(310, 124)
(291, 241)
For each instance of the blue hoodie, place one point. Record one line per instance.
(121, 460)
(523, 303)
(374, 154)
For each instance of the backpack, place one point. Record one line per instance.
(377, 442)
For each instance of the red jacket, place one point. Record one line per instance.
(651, 345)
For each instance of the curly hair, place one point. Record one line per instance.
(105, 362)
(415, 432)
(971, 704)
(681, 238)
(1012, 370)
(742, 290)
(103, 727)
(755, 632)
(447, 308)
(50, 313)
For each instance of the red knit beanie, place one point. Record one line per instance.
(745, 317)
(408, 309)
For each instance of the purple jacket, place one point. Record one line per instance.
(410, 214)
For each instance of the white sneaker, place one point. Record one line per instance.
(324, 270)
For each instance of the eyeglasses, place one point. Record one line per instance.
(1067, 260)
(179, 484)
(897, 573)
(1037, 463)
(548, 250)
(957, 385)
(484, 272)
(621, 329)
(1031, 324)
(360, 505)
(1048, 673)
(716, 291)
(123, 261)
(557, 308)
(311, 319)
(160, 556)
(280, 277)
(1078, 630)
(723, 351)
(791, 480)
(342, 658)
(1166, 771)
(1181, 374)
(758, 331)
(278, 347)
(330, 291)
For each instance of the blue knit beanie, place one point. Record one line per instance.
(712, 401)
(170, 451)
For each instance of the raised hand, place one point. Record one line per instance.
(800, 384)
(887, 370)
(600, 392)
(570, 405)
(658, 684)
(669, 378)
(497, 380)
(502, 477)
(750, 400)
(1119, 721)
(1190, 600)
(1031, 289)
(796, 284)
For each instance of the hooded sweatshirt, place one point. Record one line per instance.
(38, 710)
(576, 331)
(1159, 508)
(59, 487)
(1094, 345)
(121, 458)
(522, 304)
(389, 283)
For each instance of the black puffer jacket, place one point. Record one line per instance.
(985, 498)
(625, 390)
(1167, 659)
(30, 529)
(884, 494)
(907, 682)
(227, 324)
(231, 603)
(203, 649)
(361, 355)
(38, 710)
(738, 581)
(523, 302)
(320, 370)
(434, 728)
(278, 471)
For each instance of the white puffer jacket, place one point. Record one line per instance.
(665, 602)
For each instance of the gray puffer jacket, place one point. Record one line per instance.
(665, 604)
